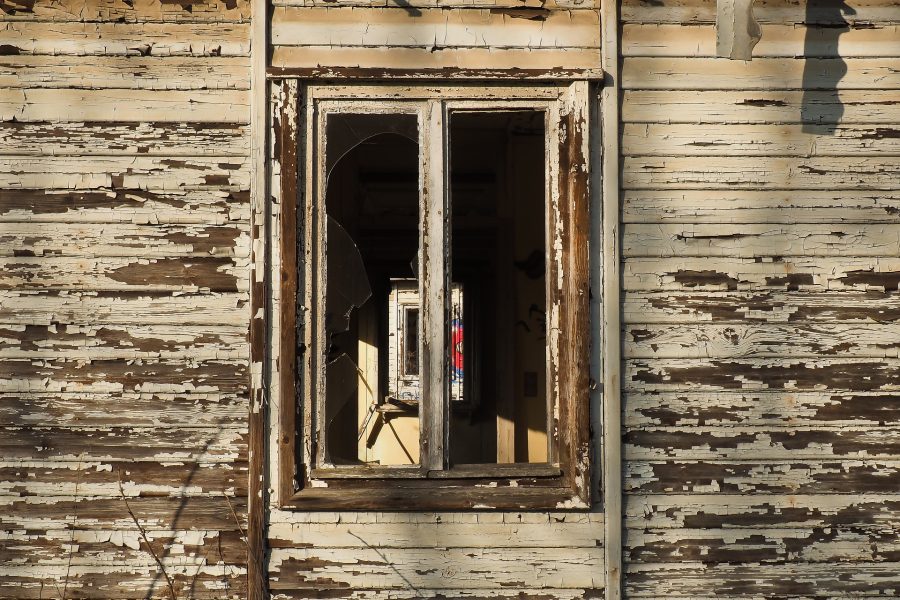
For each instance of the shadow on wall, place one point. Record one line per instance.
(821, 109)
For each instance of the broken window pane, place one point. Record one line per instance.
(372, 244)
(498, 373)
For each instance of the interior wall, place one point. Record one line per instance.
(761, 248)
(124, 213)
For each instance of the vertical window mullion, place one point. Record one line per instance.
(434, 275)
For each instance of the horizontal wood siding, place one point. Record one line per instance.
(124, 240)
(760, 303)
(444, 40)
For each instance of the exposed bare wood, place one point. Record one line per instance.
(760, 74)
(869, 173)
(761, 140)
(771, 580)
(217, 274)
(122, 105)
(725, 341)
(778, 40)
(180, 73)
(133, 409)
(761, 239)
(120, 239)
(767, 11)
(46, 307)
(434, 29)
(47, 138)
(838, 374)
(783, 207)
(748, 476)
(126, 39)
(510, 5)
(761, 106)
(208, 205)
(767, 306)
(464, 568)
(763, 408)
(474, 63)
(133, 172)
(196, 11)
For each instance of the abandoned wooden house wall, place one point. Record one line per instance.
(123, 297)
(403, 554)
(761, 261)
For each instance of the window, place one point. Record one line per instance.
(437, 318)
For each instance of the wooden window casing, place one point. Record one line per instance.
(562, 483)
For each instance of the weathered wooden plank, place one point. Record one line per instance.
(47, 138)
(753, 172)
(138, 172)
(129, 11)
(125, 39)
(791, 580)
(442, 593)
(412, 519)
(765, 11)
(761, 106)
(438, 535)
(764, 545)
(535, 8)
(200, 206)
(791, 273)
(121, 409)
(752, 206)
(767, 408)
(218, 444)
(124, 549)
(463, 568)
(166, 377)
(761, 307)
(778, 40)
(123, 240)
(106, 342)
(123, 308)
(761, 239)
(759, 140)
(760, 74)
(705, 511)
(434, 28)
(217, 274)
(756, 477)
(839, 374)
(91, 479)
(745, 341)
(121, 105)
(141, 72)
(128, 582)
(204, 513)
(801, 442)
(446, 61)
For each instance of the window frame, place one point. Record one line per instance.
(564, 483)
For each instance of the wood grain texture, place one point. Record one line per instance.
(761, 404)
(761, 106)
(766, 11)
(789, 207)
(434, 29)
(778, 40)
(123, 105)
(760, 140)
(128, 11)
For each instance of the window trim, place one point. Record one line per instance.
(563, 484)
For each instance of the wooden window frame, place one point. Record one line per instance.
(565, 481)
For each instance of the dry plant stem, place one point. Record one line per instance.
(147, 541)
(237, 521)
